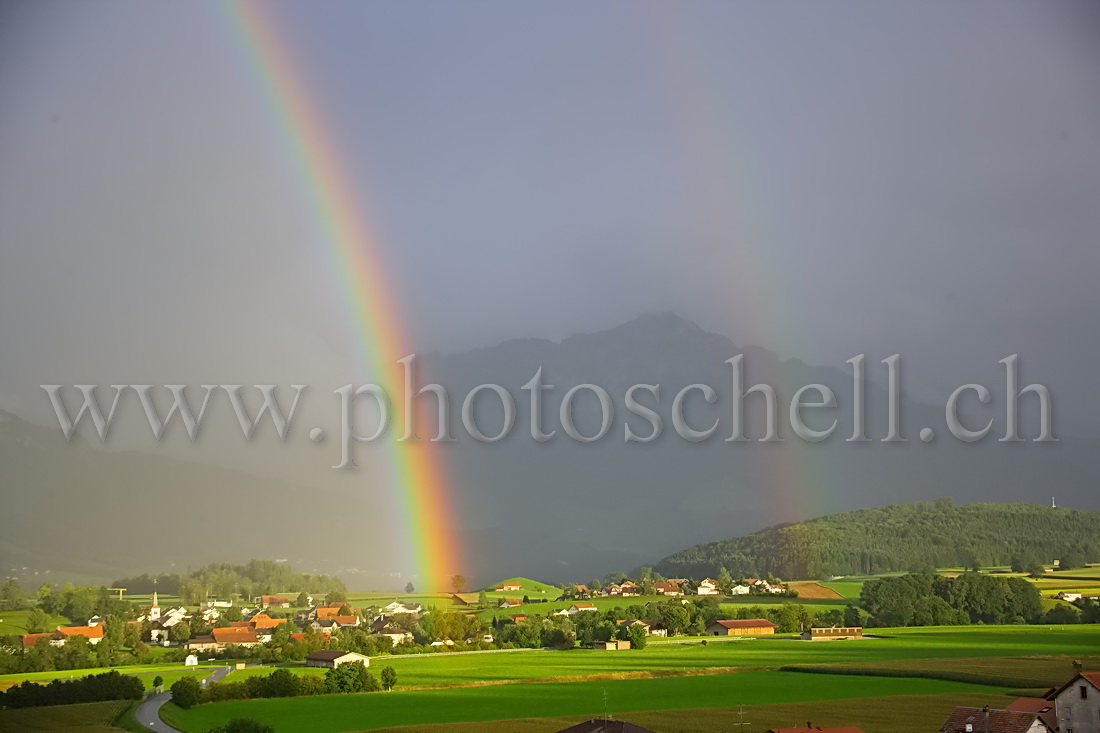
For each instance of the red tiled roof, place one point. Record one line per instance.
(1031, 705)
(1000, 721)
(746, 623)
(234, 636)
(32, 639)
(346, 620)
(92, 632)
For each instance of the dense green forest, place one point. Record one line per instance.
(898, 538)
(223, 580)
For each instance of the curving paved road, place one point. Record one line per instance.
(148, 713)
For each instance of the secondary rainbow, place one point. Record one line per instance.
(340, 213)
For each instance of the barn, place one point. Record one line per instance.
(741, 627)
(332, 658)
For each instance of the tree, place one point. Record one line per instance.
(158, 681)
(410, 588)
(11, 594)
(336, 596)
(347, 677)
(636, 635)
(186, 692)
(389, 678)
(793, 618)
(458, 582)
(180, 633)
(231, 614)
(851, 616)
(483, 599)
(725, 581)
(675, 617)
(1071, 560)
(303, 600)
(37, 621)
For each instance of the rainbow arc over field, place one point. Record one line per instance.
(357, 258)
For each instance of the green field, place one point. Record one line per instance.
(15, 622)
(893, 714)
(902, 644)
(145, 672)
(89, 717)
(846, 588)
(332, 713)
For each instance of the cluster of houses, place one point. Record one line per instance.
(1074, 707)
(673, 587)
(93, 632)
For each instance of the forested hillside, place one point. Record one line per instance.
(900, 537)
(222, 580)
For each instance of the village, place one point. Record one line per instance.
(642, 623)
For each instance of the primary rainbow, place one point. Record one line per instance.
(340, 213)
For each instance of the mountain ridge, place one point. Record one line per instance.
(879, 539)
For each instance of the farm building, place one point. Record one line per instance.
(509, 585)
(1042, 706)
(398, 607)
(94, 634)
(1077, 702)
(707, 588)
(668, 588)
(238, 636)
(612, 645)
(578, 607)
(741, 627)
(202, 644)
(274, 602)
(511, 602)
(465, 599)
(331, 658)
(988, 720)
(833, 634)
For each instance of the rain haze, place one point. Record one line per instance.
(816, 181)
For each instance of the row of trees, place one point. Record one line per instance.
(345, 678)
(95, 688)
(934, 600)
(226, 580)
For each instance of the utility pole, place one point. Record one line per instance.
(741, 718)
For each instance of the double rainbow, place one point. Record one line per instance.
(340, 214)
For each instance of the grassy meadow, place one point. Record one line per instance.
(333, 713)
(453, 688)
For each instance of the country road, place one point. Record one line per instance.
(148, 713)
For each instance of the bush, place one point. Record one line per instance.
(186, 692)
(94, 688)
(389, 678)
